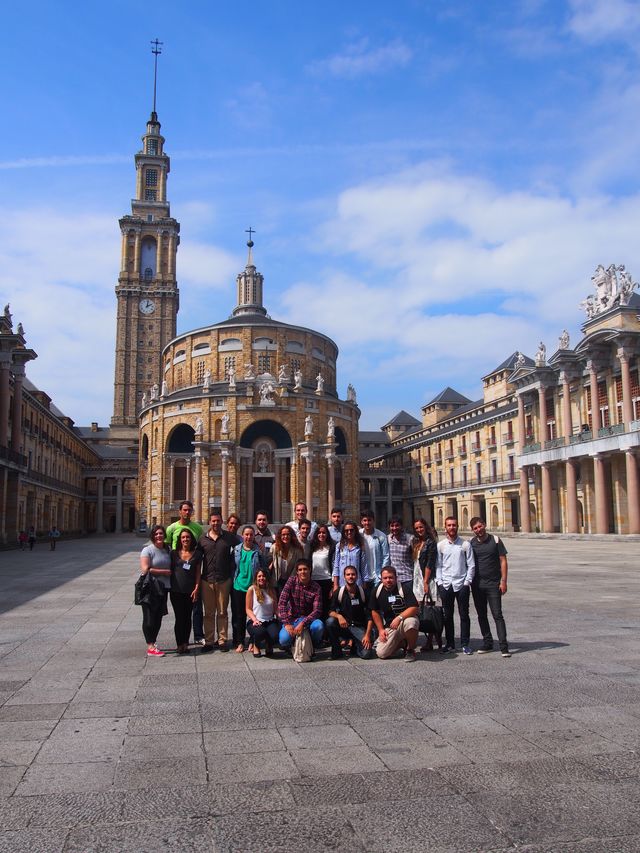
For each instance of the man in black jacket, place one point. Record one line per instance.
(349, 618)
(218, 567)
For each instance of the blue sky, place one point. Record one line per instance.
(432, 184)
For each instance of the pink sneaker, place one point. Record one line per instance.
(155, 653)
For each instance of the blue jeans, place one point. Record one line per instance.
(316, 629)
(354, 632)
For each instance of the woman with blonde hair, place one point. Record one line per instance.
(262, 607)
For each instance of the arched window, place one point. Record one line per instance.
(144, 448)
(148, 256)
(181, 439)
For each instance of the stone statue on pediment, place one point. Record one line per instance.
(224, 426)
(165, 388)
(308, 425)
(541, 355)
(331, 428)
(267, 390)
(231, 375)
(520, 360)
(320, 383)
(206, 383)
(297, 378)
(283, 374)
(249, 372)
(199, 427)
(563, 340)
(153, 391)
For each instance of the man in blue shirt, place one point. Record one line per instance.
(455, 568)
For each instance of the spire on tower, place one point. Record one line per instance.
(156, 50)
(249, 284)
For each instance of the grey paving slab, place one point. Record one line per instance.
(114, 751)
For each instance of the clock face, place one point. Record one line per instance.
(147, 306)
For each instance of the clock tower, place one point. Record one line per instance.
(147, 292)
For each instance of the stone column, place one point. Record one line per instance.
(572, 497)
(542, 405)
(172, 471)
(633, 492)
(277, 500)
(197, 496)
(123, 252)
(4, 398)
(187, 486)
(602, 519)
(250, 487)
(525, 515)
(331, 482)
(136, 254)
(171, 268)
(100, 506)
(16, 412)
(159, 254)
(224, 497)
(119, 505)
(307, 455)
(595, 403)
(627, 407)
(567, 428)
(547, 505)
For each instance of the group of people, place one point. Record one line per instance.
(357, 589)
(29, 537)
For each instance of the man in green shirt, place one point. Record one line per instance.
(174, 530)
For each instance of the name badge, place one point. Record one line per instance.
(392, 599)
(355, 602)
(186, 566)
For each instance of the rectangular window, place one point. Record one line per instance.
(440, 479)
(179, 484)
(494, 470)
(200, 372)
(429, 481)
(464, 475)
(603, 404)
(151, 178)
(479, 472)
(512, 468)
(451, 477)
(152, 146)
(149, 195)
(264, 364)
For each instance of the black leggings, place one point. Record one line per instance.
(264, 634)
(182, 607)
(152, 620)
(238, 615)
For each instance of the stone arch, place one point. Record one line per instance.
(144, 448)
(440, 519)
(465, 518)
(148, 257)
(341, 441)
(181, 439)
(495, 517)
(266, 429)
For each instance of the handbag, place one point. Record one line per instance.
(140, 589)
(303, 647)
(431, 617)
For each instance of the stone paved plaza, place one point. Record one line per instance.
(102, 749)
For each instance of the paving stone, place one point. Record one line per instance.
(171, 772)
(84, 710)
(165, 724)
(57, 778)
(26, 730)
(314, 831)
(353, 759)
(255, 767)
(10, 776)
(182, 836)
(320, 737)
(33, 841)
(413, 755)
(69, 810)
(151, 747)
(241, 741)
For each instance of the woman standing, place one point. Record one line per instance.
(155, 561)
(282, 557)
(425, 552)
(248, 560)
(261, 607)
(186, 564)
(322, 551)
(350, 552)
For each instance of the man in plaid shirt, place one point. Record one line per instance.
(400, 550)
(300, 607)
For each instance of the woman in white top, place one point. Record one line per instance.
(322, 551)
(262, 607)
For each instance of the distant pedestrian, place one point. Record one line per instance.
(22, 539)
(54, 535)
(31, 536)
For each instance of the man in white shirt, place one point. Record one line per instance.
(455, 568)
(300, 511)
(377, 546)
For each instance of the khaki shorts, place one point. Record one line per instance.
(396, 637)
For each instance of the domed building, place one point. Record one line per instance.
(248, 417)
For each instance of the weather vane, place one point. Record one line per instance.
(156, 50)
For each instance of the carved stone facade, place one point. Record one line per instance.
(534, 454)
(245, 423)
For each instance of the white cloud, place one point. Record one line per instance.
(358, 59)
(598, 20)
(65, 161)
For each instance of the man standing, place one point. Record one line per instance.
(184, 520)
(233, 525)
(394, 611)
(54, 535)
(489, 585)
(400, 550)
(335, 526)
(264, 537)
(300, 607)
(455, 567)
(304, 529)
(218, 567)
(376, 544)
(300, 511)
(172, 538)
(349, 618)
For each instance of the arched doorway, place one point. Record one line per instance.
(265, 470)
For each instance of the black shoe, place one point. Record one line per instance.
(206, 648)
(268, 652)
(223, 647)
(337, 655)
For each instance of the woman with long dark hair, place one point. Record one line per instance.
(322, 551)
(155, 561)
(350, 552)
(425, 552)
(186, 565)
(283, 555)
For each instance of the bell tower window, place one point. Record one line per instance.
(149, 195)
(151, 178)
(148, 258)
(152, 146)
